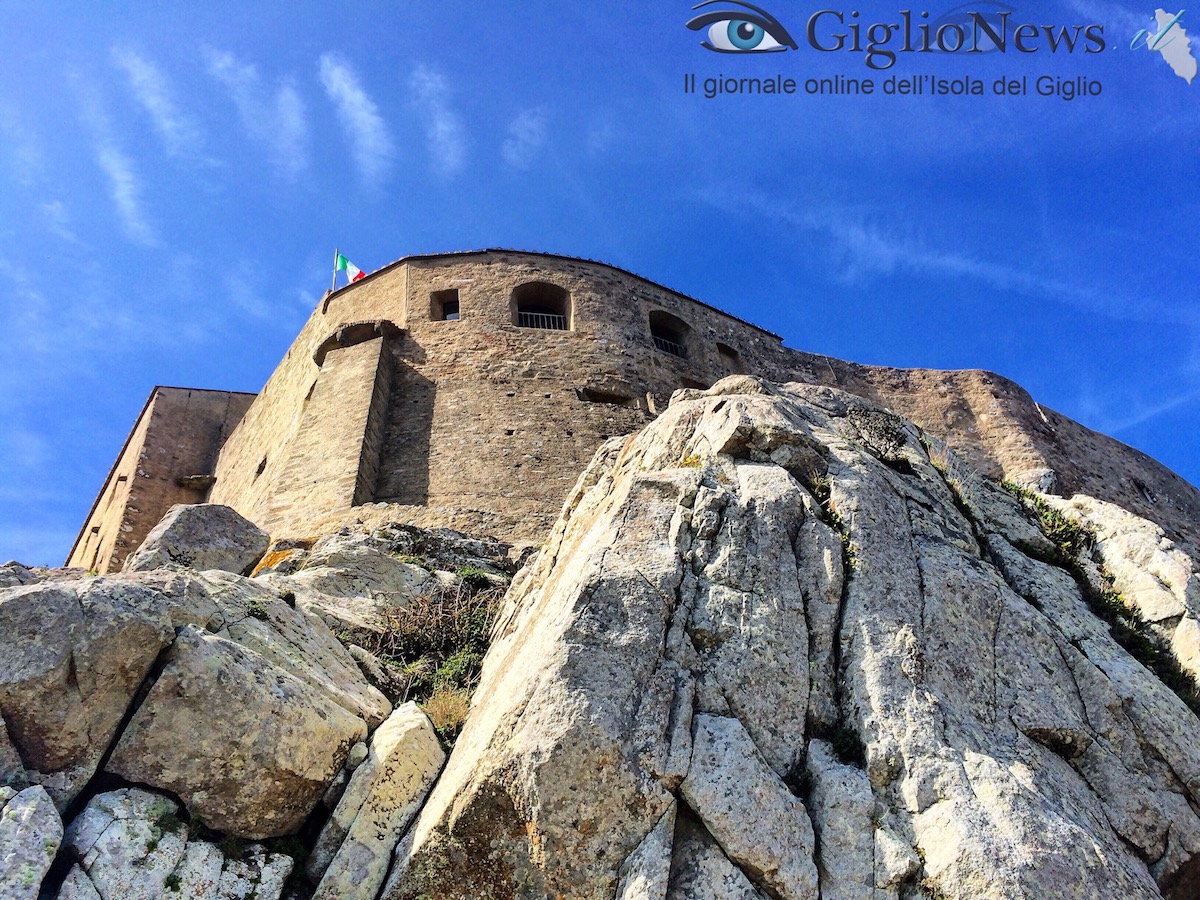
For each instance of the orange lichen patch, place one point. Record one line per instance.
(272, 559)
(537, 849)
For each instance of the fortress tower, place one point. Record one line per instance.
(470, 390)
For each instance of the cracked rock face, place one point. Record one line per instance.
(131, 844)
(778, 646)
(206, 684)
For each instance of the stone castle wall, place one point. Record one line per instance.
(479, 418)
(172, 448)
(387, 407)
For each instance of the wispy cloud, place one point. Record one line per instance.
(601, 136)
(1136, 414)
(57, 219)
(24, 157)
(179, 134)
(1123, 21)
(246, 297)
(126, 192)
(124, 187)
(444, 129)
(861, 250)
(278, 120)
(369, 138)
(526, 135)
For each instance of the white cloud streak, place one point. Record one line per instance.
(444, 131)
(179, 135)
(1121, 22)
(58, 220)
(526, 136)
(124, 187)
(1137, 414)
(125, 192)
(861, 251)
(277, 121)
(369, 139)
(24, 157)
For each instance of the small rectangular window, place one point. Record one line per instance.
(443, 306)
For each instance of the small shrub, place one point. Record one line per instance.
(847, 745)
(173, 883)
(169, 821)
(1071, 537)
(438, 642)
(413, 560)
(234, 848)
(960, 500)
(691, 462)
(1126, 624)
(461, 669)
(475, 579)
(256, 609)
(447, 708)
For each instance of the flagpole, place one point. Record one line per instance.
(333, 282)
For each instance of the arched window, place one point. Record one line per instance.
(670, 335)
(542, 305)
(730, 359)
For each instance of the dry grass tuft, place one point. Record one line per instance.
(447, 708)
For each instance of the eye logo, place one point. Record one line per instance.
(746, 30)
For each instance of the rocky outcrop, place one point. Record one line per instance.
(355, 580)
(353, 853)
(206, 684)
(787, 614)
(30, 833)
(74, 655)
(133, 844)
(1159, 576)
(291, 735)
(781, 645)
(200, 536)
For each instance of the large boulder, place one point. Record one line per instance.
(12, 769)
(79, 654)
(247, 746)
(200, 536)
(127, 843)
(73, 657)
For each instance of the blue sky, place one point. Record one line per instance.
(174, 178)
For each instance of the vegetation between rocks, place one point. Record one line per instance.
(847, 746)
(438, 641)
(1126, 624)
(819, 485)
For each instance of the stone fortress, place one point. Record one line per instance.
(470, 389)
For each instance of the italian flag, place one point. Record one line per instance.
(353, 272)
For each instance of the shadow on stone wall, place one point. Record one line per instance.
(404, 471)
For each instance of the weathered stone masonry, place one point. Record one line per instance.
(470, 389)
(168, 458)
